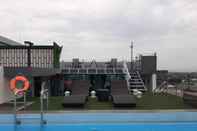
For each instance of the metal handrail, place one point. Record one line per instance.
(44, 94)
(141, 79)
(16, 121)
(161, 88)
(127, 74)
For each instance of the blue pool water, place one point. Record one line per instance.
(165, 121)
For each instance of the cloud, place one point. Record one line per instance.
(101, 29)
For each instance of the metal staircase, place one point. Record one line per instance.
(136, 82)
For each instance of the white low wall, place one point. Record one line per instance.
(5, 93)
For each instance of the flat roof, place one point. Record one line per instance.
(8, 42)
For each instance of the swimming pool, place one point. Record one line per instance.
(103, 121)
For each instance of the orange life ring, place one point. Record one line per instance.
(16, 90)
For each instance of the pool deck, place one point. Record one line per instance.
(148, 103)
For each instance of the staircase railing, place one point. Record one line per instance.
(163, 88)
(127, 74)
(139, 76)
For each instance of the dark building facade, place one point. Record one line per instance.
(148, 64)
(148, 68)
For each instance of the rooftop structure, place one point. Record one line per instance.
(92, 67)
(40, 61)
(36, 62)
(35, 56)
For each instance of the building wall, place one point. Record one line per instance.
(13, 57)
(10, 57)
(5, 93)
(148, 64)
(31, 61)
(42, 58)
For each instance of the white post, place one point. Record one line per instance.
(154, 81)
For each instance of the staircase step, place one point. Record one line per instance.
(134, 76)
(137, 86)
(138, 89)
(136, 81)
(133, 81)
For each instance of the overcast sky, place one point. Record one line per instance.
(103, 29)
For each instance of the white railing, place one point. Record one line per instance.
(93, 71)
(141, 80)
(43, 96)
(161, 88)
(126, 72)
(16, 120)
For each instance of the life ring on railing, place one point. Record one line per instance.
(13, 83)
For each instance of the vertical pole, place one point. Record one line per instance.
(166, 86)
(32, 86)
(47, 100)
(188, 81)
(41, 108)
(15, 111)
(15, 117)
(42, 97)
(29, 56)
(41, 103)
(131, 66)
(24, 100)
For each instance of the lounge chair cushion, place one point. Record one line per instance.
(75, 100)
(124, 100)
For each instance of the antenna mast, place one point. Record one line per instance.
(131, 69)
